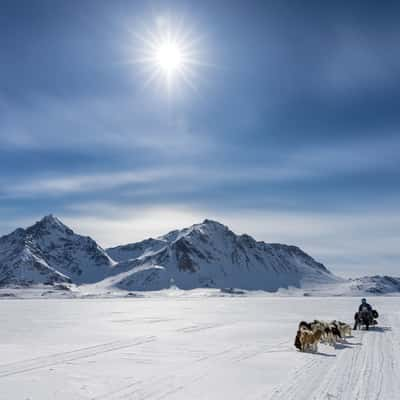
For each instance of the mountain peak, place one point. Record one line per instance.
(211, 222)
(49, 223)
(207, 227)
(50, 218)
(48, 252)
(209, 254)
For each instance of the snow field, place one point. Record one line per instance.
(192, 347)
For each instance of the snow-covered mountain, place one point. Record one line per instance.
(211, 255)
(50, 252)
(375, 284)
(204, 255)
(359, 287)
(136, 250)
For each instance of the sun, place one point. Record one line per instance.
(169, 57)
(168, 54)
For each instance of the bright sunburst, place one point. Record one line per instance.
(168, 54)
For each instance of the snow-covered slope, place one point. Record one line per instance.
(49, 252)
(376, 284)
(359, 287)
(211, 255)
(136, 250)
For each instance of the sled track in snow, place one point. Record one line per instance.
(34, 364)
(168, 385)
(363, 369)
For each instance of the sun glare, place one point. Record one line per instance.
(168, 54)
(169, 57)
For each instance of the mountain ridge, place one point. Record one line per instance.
(218, 258)
(204, 255)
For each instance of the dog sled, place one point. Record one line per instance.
(365, 319)
(309, 334)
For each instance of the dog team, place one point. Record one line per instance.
(309, 334)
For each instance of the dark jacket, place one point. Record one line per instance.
(365, 306)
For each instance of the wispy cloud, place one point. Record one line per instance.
(61, 185)
(354, 156)
(297, 166)
(89, 123)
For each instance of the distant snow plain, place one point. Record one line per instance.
(178, 345)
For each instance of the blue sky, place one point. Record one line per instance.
(290, 132)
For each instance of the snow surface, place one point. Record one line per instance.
(192, 345)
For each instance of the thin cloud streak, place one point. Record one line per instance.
(113, 123)
(61, 185)
(306, 164)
